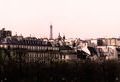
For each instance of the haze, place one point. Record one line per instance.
(73, 18)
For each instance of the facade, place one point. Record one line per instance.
(108, 42)
(107, 48)
(92, 42)
(107, 52)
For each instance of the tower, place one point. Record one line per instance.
(59, 37)
(51, 32)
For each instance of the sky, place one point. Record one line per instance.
(72, 18)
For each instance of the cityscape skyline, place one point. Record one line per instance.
(72, 18)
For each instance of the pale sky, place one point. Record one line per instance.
(73, 18)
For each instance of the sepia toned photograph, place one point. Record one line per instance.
(59, 40)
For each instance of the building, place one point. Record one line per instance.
(5, 33)
(32, 49)
(107, 48)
